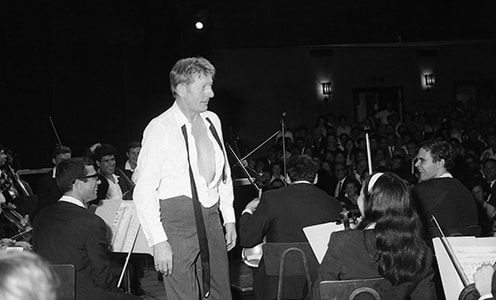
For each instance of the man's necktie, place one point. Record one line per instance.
(200, 225)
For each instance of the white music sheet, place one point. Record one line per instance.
(124, 225)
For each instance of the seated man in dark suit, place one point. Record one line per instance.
(67, 233)
(439, 194)
(280, 216)
(48, 191)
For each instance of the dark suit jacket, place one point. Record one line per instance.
(351, 256)
(48, 191)
(280, 216)
(449, 201)
(65, 233)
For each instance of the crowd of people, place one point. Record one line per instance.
(440, 163)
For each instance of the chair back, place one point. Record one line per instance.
(66, 278)
(373, 289)
(289, 259)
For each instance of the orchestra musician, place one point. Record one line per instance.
(68, 233)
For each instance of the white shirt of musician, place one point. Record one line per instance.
(114, 190)
(72, 200)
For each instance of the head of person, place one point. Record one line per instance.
(352, 188)
(276, 169)
(3, 156)
(191, 81)
(489, 169)
(434, 158)
(24, 275)
(132, 153)
(385, 200)
(77, 177)
(480, 189)
(340, 171)
(104, 157)
(302, 168)
(60, 153)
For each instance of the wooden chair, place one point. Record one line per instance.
(289, 259)
(375, 288)
(66, 277)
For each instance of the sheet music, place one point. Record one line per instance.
(125, 227)
(318, 237)
(471, 258)
(120, 217)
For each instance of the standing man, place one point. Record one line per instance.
(182, 182)
(441, 195)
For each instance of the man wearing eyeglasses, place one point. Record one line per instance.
(67, 233)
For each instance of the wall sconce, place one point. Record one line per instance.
(429, 80)
(327, 90)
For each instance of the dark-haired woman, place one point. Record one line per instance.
(387, 243)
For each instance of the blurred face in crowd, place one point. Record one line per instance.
(3, 157)
(340, 171)
(478, 193)
(132, 155)
(428, 169)
(351, 190)
(107, 165)
(490, 170)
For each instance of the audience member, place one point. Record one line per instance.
(489, 169)
(387, 243)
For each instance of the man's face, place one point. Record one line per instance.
(90, 186)
(107, 165)
(478, 193)
(427, 168)
(132, 155)
(340, 171)
(60, 158)
(195, 96)
(490, 171)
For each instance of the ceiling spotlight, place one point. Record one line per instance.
(199, 25)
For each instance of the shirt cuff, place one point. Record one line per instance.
(486, 296)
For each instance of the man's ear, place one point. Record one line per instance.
(440, 163)
(53, 161)
(316, 178)
(97, 163)
(180, 89)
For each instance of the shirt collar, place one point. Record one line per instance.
(180, 117)
(446, 175)
(72, 200)
(301, 181)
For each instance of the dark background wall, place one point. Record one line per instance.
(100, 68)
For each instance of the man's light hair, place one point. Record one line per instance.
(186, 70)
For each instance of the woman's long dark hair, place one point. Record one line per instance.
(402, 252)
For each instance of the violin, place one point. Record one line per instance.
(22, 224)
